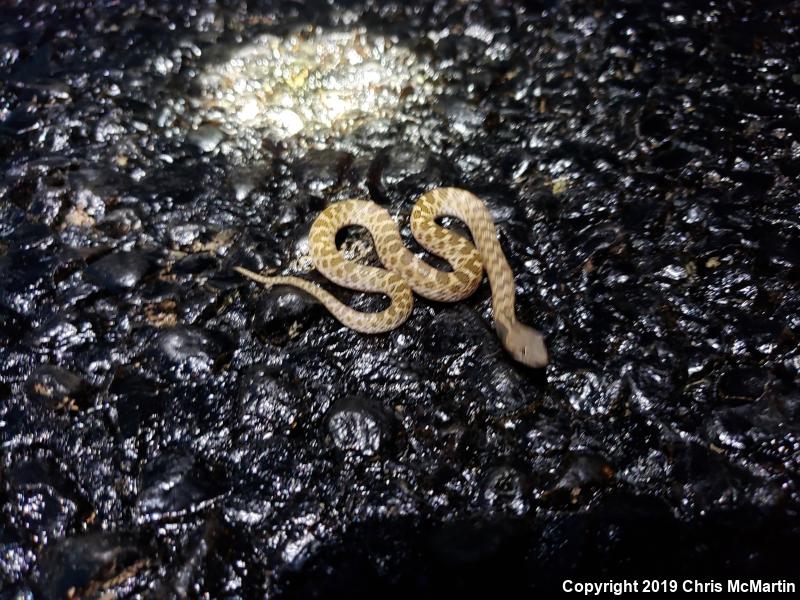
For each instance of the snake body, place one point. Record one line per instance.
(405, 272)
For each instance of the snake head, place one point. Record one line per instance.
(524, 343)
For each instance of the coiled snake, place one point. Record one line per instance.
(405, 271)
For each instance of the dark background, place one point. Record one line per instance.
(171, 430)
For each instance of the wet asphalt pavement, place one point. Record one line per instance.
(169, 429)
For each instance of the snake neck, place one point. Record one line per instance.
(503, 323)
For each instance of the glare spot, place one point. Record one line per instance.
(313, 83)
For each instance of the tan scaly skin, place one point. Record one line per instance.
(405, 271)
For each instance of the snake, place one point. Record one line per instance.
(405, 272)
